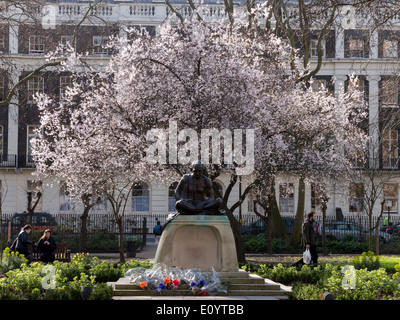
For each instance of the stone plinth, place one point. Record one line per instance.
(199, 242)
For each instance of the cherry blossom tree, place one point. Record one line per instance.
(199, 76)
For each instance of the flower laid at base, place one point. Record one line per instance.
(163, 278)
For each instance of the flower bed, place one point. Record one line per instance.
(362, 279)
(60, 280)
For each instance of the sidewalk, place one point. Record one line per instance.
(147, 253)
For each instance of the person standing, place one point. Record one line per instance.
(21, 243)
(158, 231)
(309, 239)
(47, 247)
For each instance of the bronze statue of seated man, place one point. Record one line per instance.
(195, 194)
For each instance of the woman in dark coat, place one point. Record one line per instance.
(47, 247)
(21, 243)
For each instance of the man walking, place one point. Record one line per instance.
(309, 240)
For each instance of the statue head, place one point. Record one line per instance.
(198, 169)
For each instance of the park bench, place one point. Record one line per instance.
(62, 252)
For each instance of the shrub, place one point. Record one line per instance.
(106, 272)
(101, 291)
(367, 261)
(11, 260)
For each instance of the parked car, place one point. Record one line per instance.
(260, 226)
(340, 230)
(254, 228)
(40, 221)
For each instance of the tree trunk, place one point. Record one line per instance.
(278, 228)
(84, 217)
(237, 236)
(323, 209)
(121, 240)
(377, 249)
(298, 222)
(267, 219)
(87, 204)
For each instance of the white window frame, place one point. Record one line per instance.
(358, 85)
(356, 199)
(35, 84)
(65, 40)
(390, 48)
(36, 44)
(65, 82)
(65, 201)
(99, 207)
(141, 206)
(390, 192)
(392, 142)
(171, 196)
(35, 187)
(314, 48)
(359, 47)
(319, 85)
(30, 134)
(389, 93)
(286, 200)
(98, 48)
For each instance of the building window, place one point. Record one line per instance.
(390, 48)
(286, 197)
(314, 48)
(171, 197)
(31, 134)
(35, 85)
(390, 93)
(358, 84)
(65, 82)
(141, 197)
(36, 45)
(66, 204)
(101, 206)
(99, 45)
(318, 85)
(357, 159)
(356, 48)
(390, 196)
(390, 152)
(65, 40)
(35, 188)
(356, 197)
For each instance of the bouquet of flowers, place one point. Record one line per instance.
(163, 278)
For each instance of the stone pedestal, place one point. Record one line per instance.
(199, 242)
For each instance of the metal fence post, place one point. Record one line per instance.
(144, 236)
